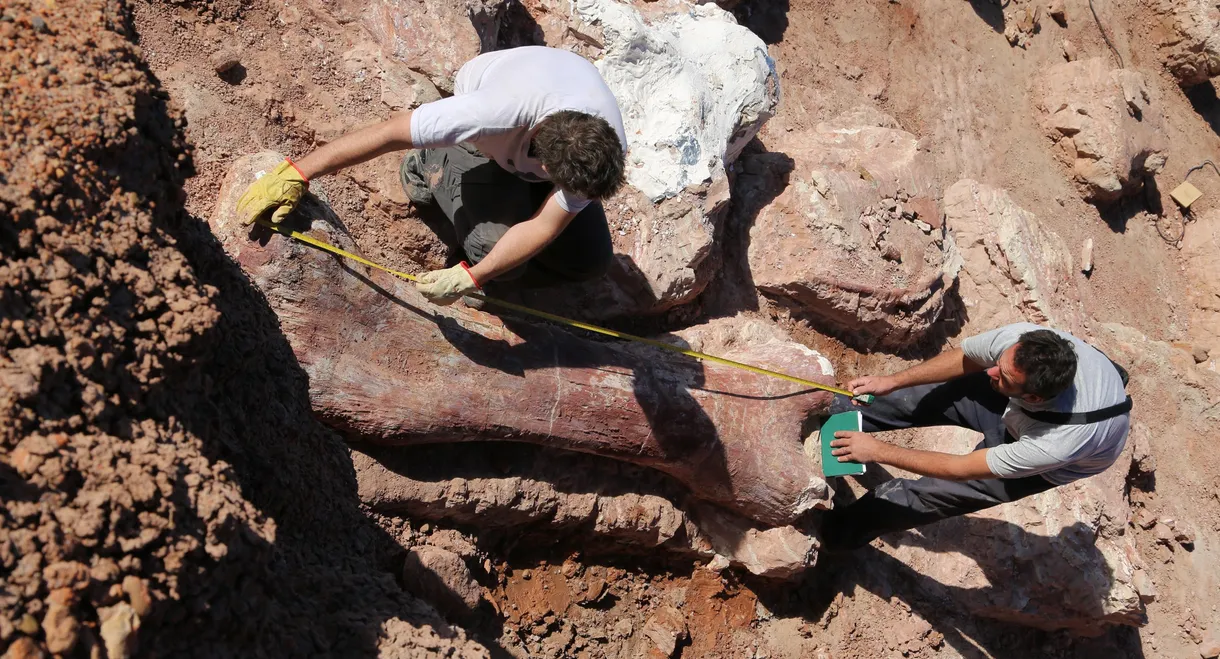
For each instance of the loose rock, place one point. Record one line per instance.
(1057, 11)
(842, 245)
(1108, 122)
(1210, 647)
(1192, 55)
(443, 578)
(224, 60)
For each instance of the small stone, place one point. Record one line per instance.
(28, 625)
(442, 578)
(24, 648)
(1164, 535)
(137, 594)
(66, 575)
(223, 61)
(1029, 21)
(1057, 11)
(39, 25)
(623, 628)
(596, 588)
(1210, 647)
(1144, 586)
(1185, 537)
(1142, 459)
(666, 628)
(1200, 354)
(119, 624)
(60, 627)
(718, 564)
(1086, 257)
(1069, 50)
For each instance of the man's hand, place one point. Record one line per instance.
(281, 189)
(446, 286)
(878, 385)
(852, 446)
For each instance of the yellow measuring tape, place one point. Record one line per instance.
(327, 247)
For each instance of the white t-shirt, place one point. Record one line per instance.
(499, 99)
(1061, 453)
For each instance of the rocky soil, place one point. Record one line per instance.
(165, 489)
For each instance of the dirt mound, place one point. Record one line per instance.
(147, 504)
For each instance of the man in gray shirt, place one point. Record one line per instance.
(1052, 409)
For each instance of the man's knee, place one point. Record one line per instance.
(588, 253)
(595, 266)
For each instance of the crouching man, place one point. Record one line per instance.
(1052, 409)
(518, 159)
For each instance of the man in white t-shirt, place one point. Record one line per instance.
(518, 159)
(1052, 409)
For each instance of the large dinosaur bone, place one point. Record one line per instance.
(387, 367)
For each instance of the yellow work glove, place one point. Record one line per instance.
(446, 286)
(281, 189)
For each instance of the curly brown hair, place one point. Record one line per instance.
(581, 152)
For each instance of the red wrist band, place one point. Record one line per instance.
(466, 267)
(294, 166)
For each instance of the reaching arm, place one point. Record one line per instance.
(863, 447)
(523, 240)
(280, 190)
(941, 368)
(393, 134)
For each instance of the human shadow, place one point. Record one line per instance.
(768, 20)
(1146, 199)
(992, 13)
(321, 579)
(667, 423)
(662, 384)
(1203, 99)
(250, 407)
(517, 27)
(992, 620)
(758, 177)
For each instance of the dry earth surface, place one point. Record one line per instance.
(165, 490)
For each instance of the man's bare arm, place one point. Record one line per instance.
(523, 240)
(863, 447)
(941, 368)
(393, 134)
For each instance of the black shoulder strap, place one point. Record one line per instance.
(1122, 372)
(1082, 418)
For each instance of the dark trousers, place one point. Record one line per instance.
(903, 503)
(483, 201)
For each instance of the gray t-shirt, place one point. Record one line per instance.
(499, 99)
(1060, 453)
